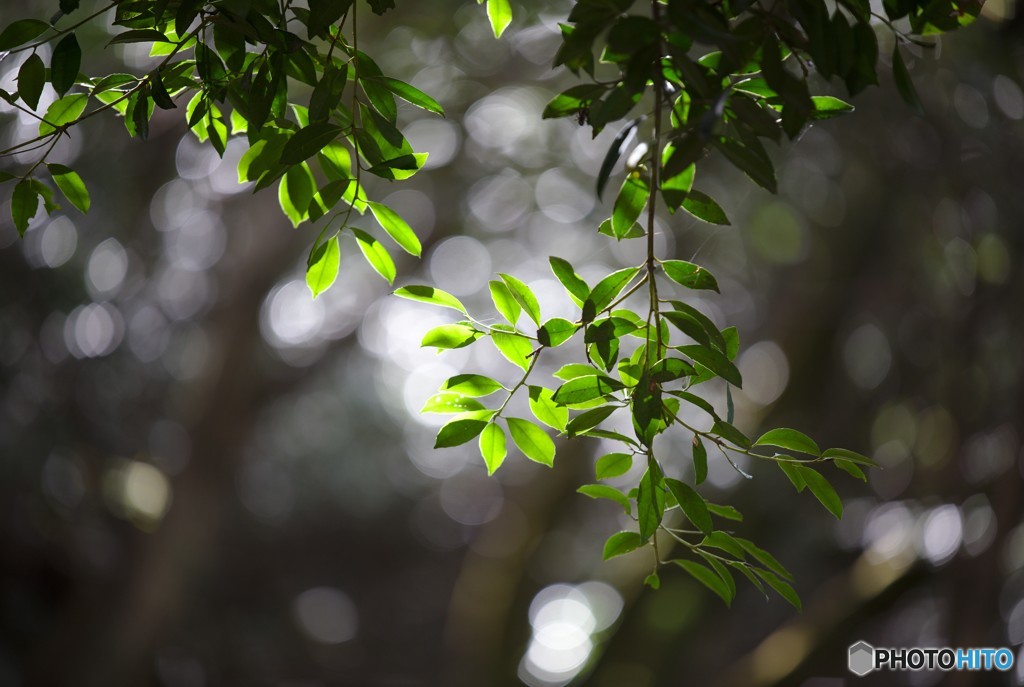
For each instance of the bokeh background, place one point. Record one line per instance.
(209, 479)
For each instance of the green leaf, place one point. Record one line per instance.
(471, 385)
(500, 14)
(727, 512)
(615, 151)
(764, 558)
(726, 542)
(573, 283)
(523, 295)
(408, 93)
(714, 361)
(546, 410)
(505, 302)
(629, 204)
(608, 288)
(704, 208)
(514, 347)
(584, 423)
(782, 588)
(789, 438)
(295, 193)
(458, 432)
(449, 336)
(445, 402)
(823, 491)
(31, 79)
(46, 193)
(379, 7)
(556, 332)
(572, 101)
(376, 254)
(827, 107)
(613, 465)
(71, 185)
(533, 441)
(904, 84)
(396, 227)
(428, 294)
(700, 461)
(163, 100)
(689, 275)
(692, 503)
(139, 36)
(850, 468)
(636, 231)
(492, 447)
(323, 266)
(650, 500)
(603, 491)
(620, 543)
(63, 111)
(842, 453)
(574, 371)
(309, 141)
(730, 433)
(583, 389)
(707, 577)
(65, 63)
(792, 471)
(21, 32)
(24, 204)
(750, 161)
(653, 581)
(324, 13)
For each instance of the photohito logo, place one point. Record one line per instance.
(864, 658)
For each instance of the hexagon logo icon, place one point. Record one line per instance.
(861, 659)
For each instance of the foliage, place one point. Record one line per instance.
(693, 78)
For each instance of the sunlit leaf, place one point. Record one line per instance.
(629, 204)
(323, 266)
(471, 385)
(603, 491)
(71, 185)
(396, 227)
(533, 441)
(789, 438)
(517, 349)
(500, 14)
(546, 410)
(492, 447)
(446, 402)
(459, 431)
(449, 336)
(827, 106)
(582, 389)
(523, 295)
(620, 543)
(428, 294)
(63, 111)
(556, 331)
(613, 465)
(691, 503)
(689, 275)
